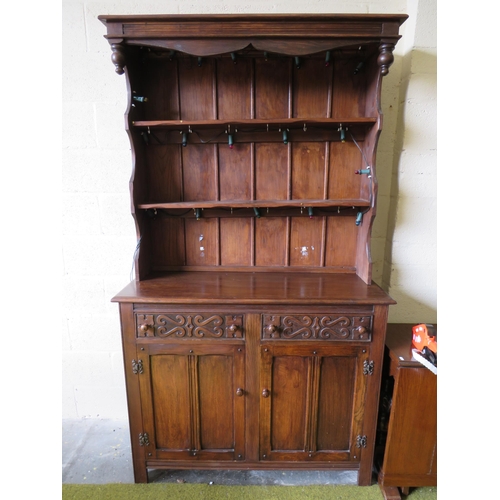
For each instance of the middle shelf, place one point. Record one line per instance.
(259, 130)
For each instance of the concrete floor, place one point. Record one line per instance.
(97, 451)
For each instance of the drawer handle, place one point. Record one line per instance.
(362, 333)
(234, 328)
(239, 392)
(271, 329)
(265, 393)
(144, 328)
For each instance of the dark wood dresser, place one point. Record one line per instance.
(409, 407)
(253, 334)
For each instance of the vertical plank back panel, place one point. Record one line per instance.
(202, 242)
(270, 241)
(305, 241)
(271, 170)
(163, 99)
(196, 89)
(236, 241)
(341, 234)
(167, 251)
(164, 173)
(311, 87)
(345, 159)
(234, 84)
(373, 88)
(235, 172)
(308, 167)
(348, 89)
(271, 87)
(199, 172)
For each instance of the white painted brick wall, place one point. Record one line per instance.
(98, 233)
(413, 272)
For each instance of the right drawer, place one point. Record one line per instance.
(317, 327)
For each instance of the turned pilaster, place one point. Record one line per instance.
(118, 57)
(386, 57)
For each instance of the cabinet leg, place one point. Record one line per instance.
(405, 490)
(365, 474)
(140, 474)
(390, 492)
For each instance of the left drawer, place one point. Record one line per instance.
(190, 325)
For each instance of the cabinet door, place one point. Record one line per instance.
(193, 401)
(312, 402)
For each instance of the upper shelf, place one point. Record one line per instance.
(238, 123)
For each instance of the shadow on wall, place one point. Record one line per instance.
(406, 137)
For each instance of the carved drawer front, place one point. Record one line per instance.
(190, 325)
(316, 327)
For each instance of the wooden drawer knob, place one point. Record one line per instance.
(234, 328)
(144, 328)
(265, 393)
(239, 392)
(271, 329)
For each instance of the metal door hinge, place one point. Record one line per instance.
(137, 366)
(144, 439)
(367, 367)
(360, 441)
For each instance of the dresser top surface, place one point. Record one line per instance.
(254, 288)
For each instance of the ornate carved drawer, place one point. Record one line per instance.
(189, 325)
(328, 326)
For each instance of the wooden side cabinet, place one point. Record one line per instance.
(410, 396)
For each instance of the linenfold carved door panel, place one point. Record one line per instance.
(193, 401)
(312, 402)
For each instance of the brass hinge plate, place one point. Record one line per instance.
(143, 439)
(361, 441)
(137, 366)
(368, 367)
